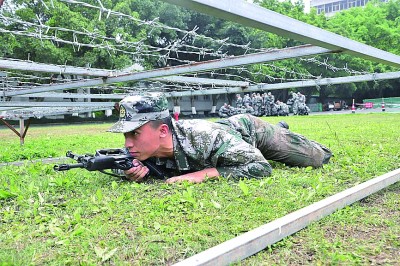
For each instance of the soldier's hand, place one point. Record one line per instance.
(195, 177)
(138, 172)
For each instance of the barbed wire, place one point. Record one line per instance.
(114, 44)
(333, 68)
(139, 50)
(156, 24)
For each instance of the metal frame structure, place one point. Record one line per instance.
(320, 42)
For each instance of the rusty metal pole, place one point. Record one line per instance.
(21, 131)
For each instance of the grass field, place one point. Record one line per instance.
(81, 217)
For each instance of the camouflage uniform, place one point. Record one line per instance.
(295, 105)
(238, 146)
(239, 101)
(258, 105)
(301, 98)
(137, 110)
(282, 108)
(224, 111)
(200, 144)
(246, 100)
(249, 109)
(277, 143)
(267, 106)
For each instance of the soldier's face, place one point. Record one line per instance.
(143, 142)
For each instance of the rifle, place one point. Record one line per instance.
(108, 159)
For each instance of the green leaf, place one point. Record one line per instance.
(99, 195)
(157, 226)
(78, 230)
(41, 199)
(114, 185)
(6, 194)
(108, 255)
(77, 215)
(216, 204)
(120, 199)
(103, 254)
(244, 188)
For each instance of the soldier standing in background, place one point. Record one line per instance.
(239, 101)
(301, 97)
(263, 96)
(246, 100)
(295, 103)
(258, 105)
(271, 100)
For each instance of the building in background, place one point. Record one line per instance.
(330, 7)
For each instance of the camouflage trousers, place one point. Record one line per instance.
(277, 143)
(281, 145)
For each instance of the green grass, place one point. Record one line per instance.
(81, 217)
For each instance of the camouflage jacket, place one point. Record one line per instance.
(200, 144)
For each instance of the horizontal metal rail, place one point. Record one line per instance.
(93, 72)
(274, 55)
(286, 85)
(56, 104)
(253, 88)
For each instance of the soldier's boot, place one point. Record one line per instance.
(283, 124)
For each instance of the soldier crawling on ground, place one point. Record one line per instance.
(194, 150)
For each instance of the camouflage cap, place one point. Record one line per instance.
(137, 110)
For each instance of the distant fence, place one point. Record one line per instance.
(389, 102)
(315, 107)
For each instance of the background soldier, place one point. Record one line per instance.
(246, 100)
(239, 101)
(258, 105)
(223, 111)
(249, 109)
(271, 99)
(282, 108)
(301, 97)
(303, 109)
(295, 103)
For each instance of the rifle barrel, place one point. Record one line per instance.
(65, 167)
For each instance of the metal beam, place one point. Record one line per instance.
(56, 104)
(327, 81)
(48, 68)
(93, 72)
(203, 81)
(252, 15)
(38, 113)
(254, 88)
(249, 243)
(292, 52)
(67, 95)
(286, 85)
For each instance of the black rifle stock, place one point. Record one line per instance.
(107, 159)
